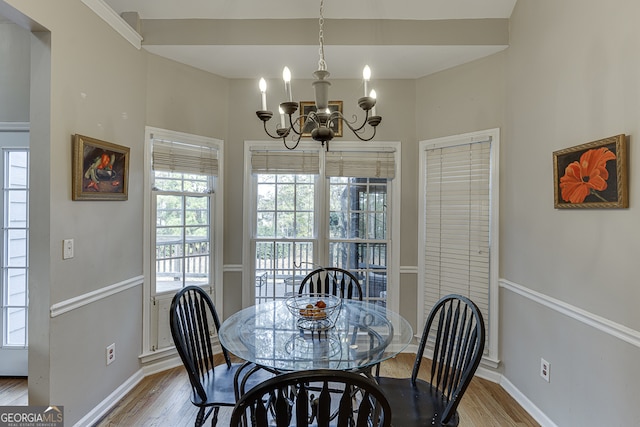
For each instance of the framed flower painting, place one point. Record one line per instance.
(592, 175)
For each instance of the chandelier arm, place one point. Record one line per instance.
(356, 131)
(350, 124)
(269, 133)
(297, 141)
(295, 122)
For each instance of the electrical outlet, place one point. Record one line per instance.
(67, 248)
(545, 368)
(111, 353)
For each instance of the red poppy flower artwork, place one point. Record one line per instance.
(592, 175)
(587, 176)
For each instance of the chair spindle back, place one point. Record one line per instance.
(455, 328)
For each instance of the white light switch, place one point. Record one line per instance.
(67, 248)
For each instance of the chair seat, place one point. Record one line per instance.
(414, 405)
(219, 385)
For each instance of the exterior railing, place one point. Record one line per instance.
(280, 267)
(178, 261)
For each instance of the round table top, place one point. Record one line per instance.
(269, 335)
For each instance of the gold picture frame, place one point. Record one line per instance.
(100, 170)
(307, 107)
(592, 175)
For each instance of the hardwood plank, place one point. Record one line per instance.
(13, 391)
(163, 399)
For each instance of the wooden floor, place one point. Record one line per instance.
(13, 391)
(163, 400)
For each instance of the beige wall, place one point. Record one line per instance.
(14, 82)
(572, 77)
(464, 99)
(185, 99)
(566, 79)
(84, 79)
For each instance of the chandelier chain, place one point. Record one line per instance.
(321, 125)
(322, 65)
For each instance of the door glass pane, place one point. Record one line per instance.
(16, 255)
(16, 279)
(358, 232)
(16, 327)
(16, 208)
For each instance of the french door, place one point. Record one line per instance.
(14, 262)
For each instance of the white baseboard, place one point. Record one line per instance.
(526, 404)
(105, 406)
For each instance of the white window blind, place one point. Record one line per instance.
(184, 157)
(457, 223)
(360, 164)
(283, 162)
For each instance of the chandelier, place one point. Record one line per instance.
(321, 122)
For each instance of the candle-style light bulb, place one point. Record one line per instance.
(366, 75)
(263, 89)
(286, 76)
(373, 95)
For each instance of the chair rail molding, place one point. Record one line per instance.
(607, 326)
(232, 268)
(14, 126)
(81, 300)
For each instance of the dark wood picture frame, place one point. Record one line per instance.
(307, 107)
(100, 170)
(592, 175)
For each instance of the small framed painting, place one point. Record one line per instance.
(592, 175)
(100, 170)
(307, 107)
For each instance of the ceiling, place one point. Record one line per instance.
(400, 39)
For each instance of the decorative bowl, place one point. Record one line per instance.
(316, 312)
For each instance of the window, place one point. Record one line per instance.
(459, 190)
(311, 208)
(285, 236)
(183, 183)
(185, 223)
(183, 230)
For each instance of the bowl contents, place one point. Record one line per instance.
(314, 311)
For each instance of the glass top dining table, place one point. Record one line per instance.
(269, 335)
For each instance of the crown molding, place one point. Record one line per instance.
(108, 15)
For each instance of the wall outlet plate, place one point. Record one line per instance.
(545, 370)
(111, 353)
(67, 248)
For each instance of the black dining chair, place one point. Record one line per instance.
(289, 400)
(331, 280)
(455, 329)
(193, 319)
